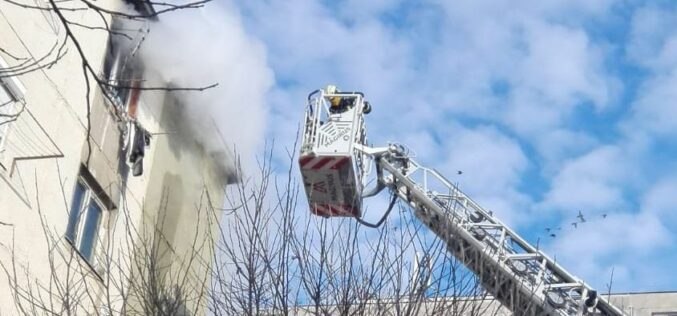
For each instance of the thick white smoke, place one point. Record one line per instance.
(198, 47)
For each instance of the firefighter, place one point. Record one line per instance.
(341, 104)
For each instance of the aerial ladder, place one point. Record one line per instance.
(336, 163)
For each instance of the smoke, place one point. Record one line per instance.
(199, 47)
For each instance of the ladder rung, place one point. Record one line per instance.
(522, 256)
(563, 285)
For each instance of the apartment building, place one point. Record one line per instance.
(107, 194)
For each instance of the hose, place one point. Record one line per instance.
(390, 208)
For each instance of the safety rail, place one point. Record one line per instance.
(318, 113)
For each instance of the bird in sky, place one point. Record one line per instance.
(548, 229)
(553, 235)
(604, 215)
(580, 217)
(459, 172)
(574, 224)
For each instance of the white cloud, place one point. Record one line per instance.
(592, 183)
(546, 66)
(636, 244)
(310, 44)
(652, 38)
(622, 241)
(352, 10)
(518, 42)
(599, 237)
(563, 66)
(661, 201)
(653, 46)
(654, 110)
(444, 68)
(492, 165)
(556, 146)
(420, 76)
(472, 150)
(524, 71)
(311, 47)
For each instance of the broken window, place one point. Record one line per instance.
(122, 68)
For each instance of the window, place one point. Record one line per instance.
(85, 219)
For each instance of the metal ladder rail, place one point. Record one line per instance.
(454, 225)
(474, 255)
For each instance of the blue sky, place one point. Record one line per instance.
(549, 107)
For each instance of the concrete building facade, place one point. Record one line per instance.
(106, 198)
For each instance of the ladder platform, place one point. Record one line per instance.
(329, 182)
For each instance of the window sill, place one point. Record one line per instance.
(91, 266)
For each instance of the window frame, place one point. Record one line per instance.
(76, 229)
(12, 84)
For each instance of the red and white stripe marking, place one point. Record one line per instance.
(316, 166)
(323, 162)
(328, 210)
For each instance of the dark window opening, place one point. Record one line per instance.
(122, 68)
(143, 7)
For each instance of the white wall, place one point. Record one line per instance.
(43, 188)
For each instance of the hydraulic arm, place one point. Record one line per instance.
(521, 277)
